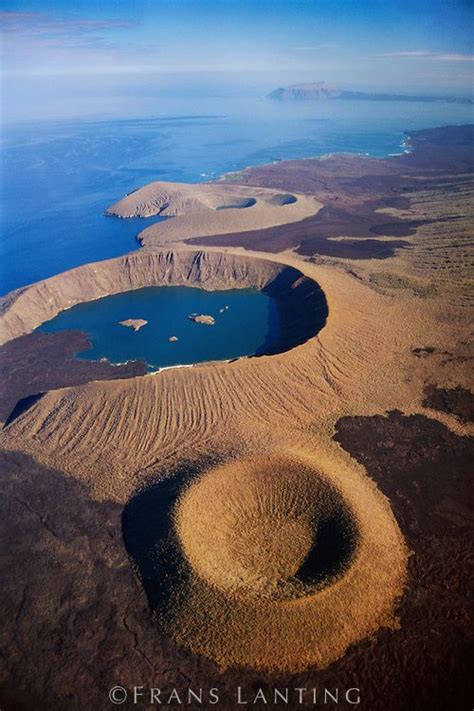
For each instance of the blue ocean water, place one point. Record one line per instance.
(167, 310)
(58, 177)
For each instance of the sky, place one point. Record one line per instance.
(86, 48)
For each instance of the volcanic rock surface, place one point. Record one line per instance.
(32, 364)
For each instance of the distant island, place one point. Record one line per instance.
(320, 90)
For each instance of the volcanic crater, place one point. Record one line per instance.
(250, 554)
(255, 534)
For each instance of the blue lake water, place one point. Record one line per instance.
(246, 320)
(58, 177)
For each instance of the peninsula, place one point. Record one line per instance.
(320, 90)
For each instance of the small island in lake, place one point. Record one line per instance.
(135, 323)
(202, 318)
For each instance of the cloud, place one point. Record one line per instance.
(47, 29)
(34, 41)
(313, 48)
(455, 57)
(41, 24)
(423, 54)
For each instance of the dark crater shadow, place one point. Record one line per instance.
(22, 406)
(283, 199)
(149, 534)
(333, 549)
(239, 204)
(152, 543)
(299, 311)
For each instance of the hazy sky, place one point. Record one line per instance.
(412, 45)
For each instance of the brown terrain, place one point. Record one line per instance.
(131, 555)
(364, 199)
(31, 365)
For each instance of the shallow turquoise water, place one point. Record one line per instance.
(246, 320)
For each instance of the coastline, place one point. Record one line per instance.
(405, 144)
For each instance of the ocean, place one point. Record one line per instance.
(57, 177)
